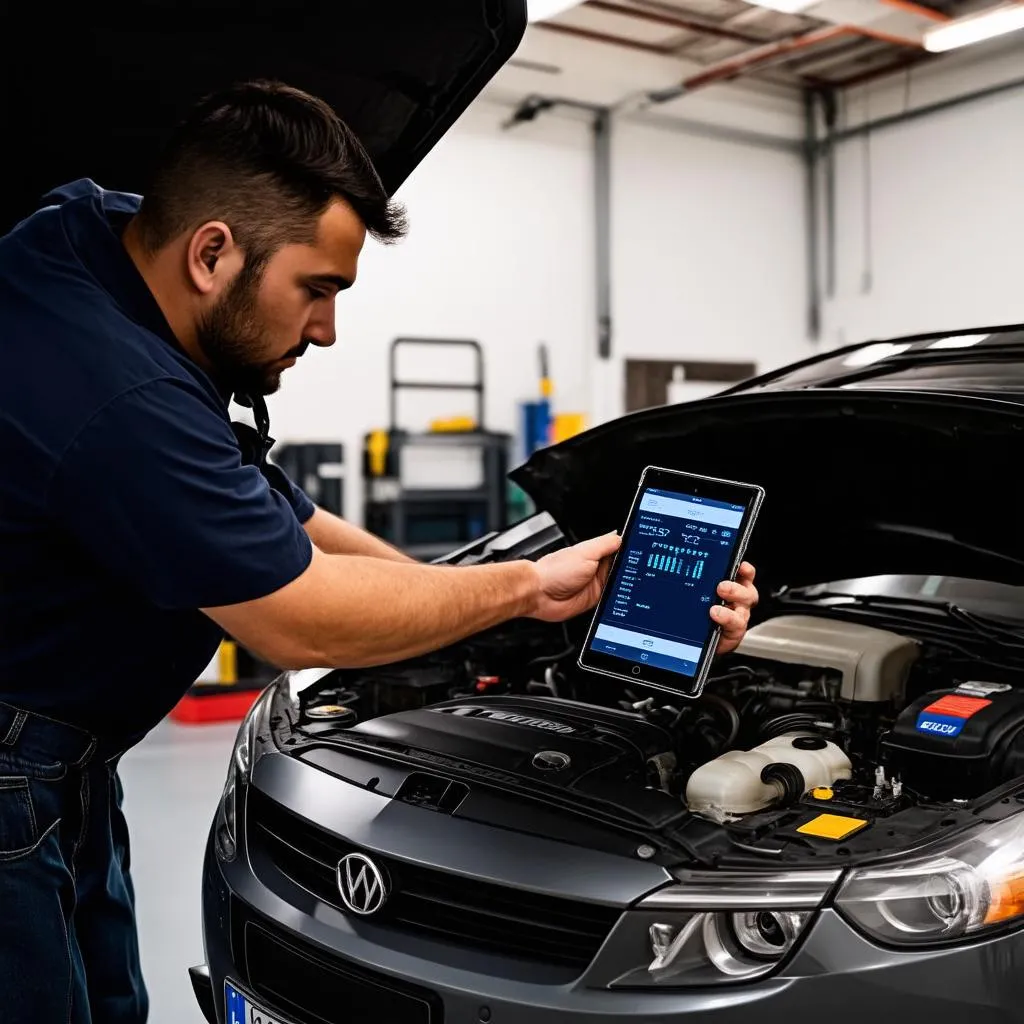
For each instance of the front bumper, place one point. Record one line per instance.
(836, 972)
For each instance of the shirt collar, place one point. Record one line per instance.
(94, 219)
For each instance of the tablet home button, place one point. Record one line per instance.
(636, 670)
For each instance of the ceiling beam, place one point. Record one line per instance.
(673, 21)
(605, 37)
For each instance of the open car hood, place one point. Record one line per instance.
(91, 93)
(857, 482)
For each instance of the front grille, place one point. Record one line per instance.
(449, 907)
(303, 981)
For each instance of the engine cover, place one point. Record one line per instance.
(873, 663)
(603, 753)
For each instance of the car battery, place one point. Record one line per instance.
(959, 743)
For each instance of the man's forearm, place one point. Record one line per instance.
(334, 536)
(353, 611)
(427, 608)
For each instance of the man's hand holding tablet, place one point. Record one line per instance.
(659, 621)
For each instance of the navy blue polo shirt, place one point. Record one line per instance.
(125, 501)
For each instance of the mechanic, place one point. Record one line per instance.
(138, 525)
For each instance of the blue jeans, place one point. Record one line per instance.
(68, 946)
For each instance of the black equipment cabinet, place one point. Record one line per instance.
(318, 468)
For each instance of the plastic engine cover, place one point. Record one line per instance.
(781, 770)
(957, 744)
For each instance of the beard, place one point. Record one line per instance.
(237, 344)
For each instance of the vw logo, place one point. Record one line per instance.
(362, 885)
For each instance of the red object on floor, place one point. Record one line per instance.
(214, 707)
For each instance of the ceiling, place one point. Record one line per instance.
(836, 44)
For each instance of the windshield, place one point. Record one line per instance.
(979, 596)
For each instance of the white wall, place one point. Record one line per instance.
(708, 253)
(502, 250)
(946, 210)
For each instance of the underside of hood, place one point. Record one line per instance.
(92, 93)
(857, 483)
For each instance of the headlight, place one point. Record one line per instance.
(239, 770)
(767, 934)
(717, 927)
(974, 884)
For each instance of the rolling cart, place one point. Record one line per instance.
(431, 492)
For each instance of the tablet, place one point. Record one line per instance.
(684, 535)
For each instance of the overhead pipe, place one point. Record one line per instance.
(602, 129)
(716, 132)
(763, 53)
(810, 156)
(664, 14)
(830, 110)
(919, 9)
(602, 229)
(865, 77)
(669, 50)
(753, 59)
(932, 108)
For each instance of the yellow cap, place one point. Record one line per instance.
(822, 793)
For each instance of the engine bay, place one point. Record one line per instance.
(819, 740)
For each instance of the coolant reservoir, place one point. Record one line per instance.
(781, 770)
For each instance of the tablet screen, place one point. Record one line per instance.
(677, 549)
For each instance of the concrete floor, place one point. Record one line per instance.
(172, 783)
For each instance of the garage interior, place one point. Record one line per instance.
(652, 201)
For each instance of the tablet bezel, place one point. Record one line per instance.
(750, 496)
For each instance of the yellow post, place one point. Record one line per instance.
(227, 662)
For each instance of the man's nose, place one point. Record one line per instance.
(321, 330)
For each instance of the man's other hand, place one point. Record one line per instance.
(571, 579)
(740, 598)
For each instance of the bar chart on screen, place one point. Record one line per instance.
(677, 561)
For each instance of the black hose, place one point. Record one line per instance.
(795, 721)
(731, 713)
(551, 659)
(739, 672)
(773, 690)
(548, 659)
(789, 777)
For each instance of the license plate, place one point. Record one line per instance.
(242, 1010)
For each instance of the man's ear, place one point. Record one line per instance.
(213, 257)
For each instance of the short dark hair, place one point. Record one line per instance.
(267, 159)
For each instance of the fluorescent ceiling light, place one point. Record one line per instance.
(874, 353)
(975, 28)
(959, 341)
(785, 6)
(539, 10)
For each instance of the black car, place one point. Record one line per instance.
(399, 844)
